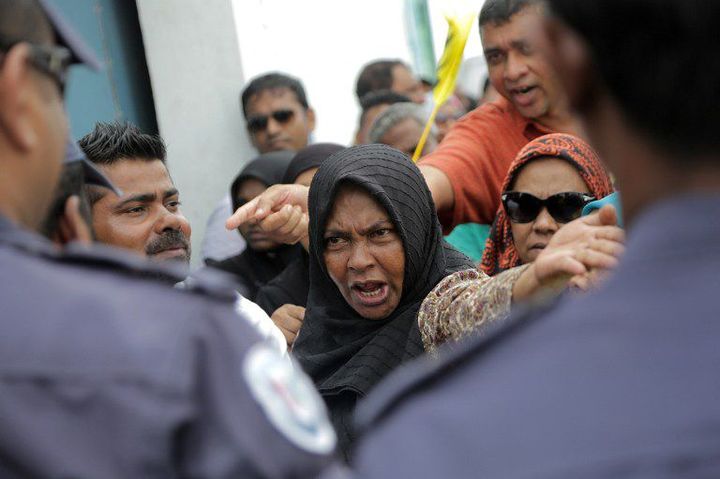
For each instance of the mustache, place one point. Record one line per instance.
(168, 240)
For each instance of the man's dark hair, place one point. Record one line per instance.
(380, 97)
(375, 76)
(72, 180)
(273, 81)
(24, 20)
(110, 142)
(670, 95)
(498, 12)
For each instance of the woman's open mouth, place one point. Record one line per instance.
(370, 293)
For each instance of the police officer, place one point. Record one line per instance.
(69, 217)
(622, 382)
(106, 372)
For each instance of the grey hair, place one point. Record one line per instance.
(395, 114)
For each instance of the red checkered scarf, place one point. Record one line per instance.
(500, 253)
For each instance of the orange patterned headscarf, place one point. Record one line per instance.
(500, 253)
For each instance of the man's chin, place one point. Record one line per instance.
(175, 255)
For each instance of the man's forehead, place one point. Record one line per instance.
(271, 98)
(512, 30)
(138, 176)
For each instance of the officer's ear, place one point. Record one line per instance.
(72, 226)
(310, 118)
(18, 95)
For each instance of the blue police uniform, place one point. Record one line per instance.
(620, 382)
(107, 372)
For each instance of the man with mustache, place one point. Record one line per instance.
(146, 219)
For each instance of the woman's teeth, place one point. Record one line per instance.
(371, 293)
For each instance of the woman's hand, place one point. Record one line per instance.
(289, 319)
(280, 211)
(580, 254)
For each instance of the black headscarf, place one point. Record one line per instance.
(309, 157)
(338, 348)
(291, 286)
(268, 168)
(253, 269)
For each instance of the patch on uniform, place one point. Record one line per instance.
(289, 400)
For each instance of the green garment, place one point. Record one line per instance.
(470, 239)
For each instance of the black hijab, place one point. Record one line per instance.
(291, 286)
(253, 269)
(309, 157)
(338, 348)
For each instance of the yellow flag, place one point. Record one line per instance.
(447, 69)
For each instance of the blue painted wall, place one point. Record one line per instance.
(122, 90)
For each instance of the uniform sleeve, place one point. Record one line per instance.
(262, 323)
(469, 157)
(463, 303)
(255, 414)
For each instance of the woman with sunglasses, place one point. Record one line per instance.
(545, 190)
(547, 186)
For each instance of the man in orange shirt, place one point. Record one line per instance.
(466, 172)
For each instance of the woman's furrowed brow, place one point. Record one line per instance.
(334, 231)
(380, 224)
(330, 232)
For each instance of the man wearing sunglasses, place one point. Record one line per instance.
(277, 113)
(31, 62)
(107, 371)
(278, 117)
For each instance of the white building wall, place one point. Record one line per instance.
(196, 74)
(326, 42)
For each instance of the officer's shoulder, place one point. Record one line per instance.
(426, 373)
(101, 258)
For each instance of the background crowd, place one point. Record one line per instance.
(358, 314)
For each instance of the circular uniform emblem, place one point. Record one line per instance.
(289, 400)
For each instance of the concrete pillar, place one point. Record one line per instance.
(195, 70)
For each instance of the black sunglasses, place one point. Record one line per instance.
(52, 61)
(563, 207)
(259, 123)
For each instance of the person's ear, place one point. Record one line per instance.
(17, 93)
(571, 59)
(72, 226)
(310, 116)
(253, 139)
